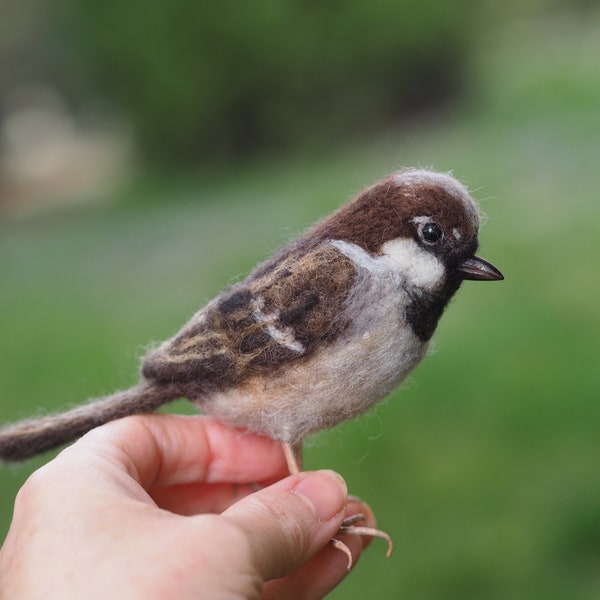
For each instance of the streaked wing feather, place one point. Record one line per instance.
(260, 324)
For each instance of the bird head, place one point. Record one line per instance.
(424, 221)
(422, 226)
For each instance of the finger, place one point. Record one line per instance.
(322, 573)
(163, 450)
(199, 498)
(286, 524)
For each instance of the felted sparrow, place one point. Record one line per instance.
(315, 335)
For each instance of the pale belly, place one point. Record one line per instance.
(337, 383)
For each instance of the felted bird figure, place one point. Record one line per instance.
(315, 335)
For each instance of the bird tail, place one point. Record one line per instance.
(34, 436)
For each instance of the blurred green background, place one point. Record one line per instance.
(151, 156)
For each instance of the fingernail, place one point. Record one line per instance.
(325, 490)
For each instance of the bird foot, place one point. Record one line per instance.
(349, 528)
(293, 456)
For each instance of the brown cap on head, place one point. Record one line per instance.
(411, 204)
(388, 209)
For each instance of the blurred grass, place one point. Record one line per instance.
(484, 467)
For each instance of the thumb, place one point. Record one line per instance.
(287, 523)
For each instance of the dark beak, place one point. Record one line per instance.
(477, 269)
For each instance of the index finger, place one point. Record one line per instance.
(164, 450)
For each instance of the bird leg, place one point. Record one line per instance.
(293, 457)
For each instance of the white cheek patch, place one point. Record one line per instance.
(356, 254)
(403, 257)
(421, 268)
(456, 233)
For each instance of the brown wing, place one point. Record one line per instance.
(275, 316)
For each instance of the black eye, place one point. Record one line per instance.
(430, 233)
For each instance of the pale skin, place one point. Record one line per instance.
(164, 506)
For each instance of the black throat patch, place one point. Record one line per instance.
(425, 308)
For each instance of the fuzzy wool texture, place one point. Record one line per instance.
(313, 336)
(341, 380)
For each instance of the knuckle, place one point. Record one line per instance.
(287, 530)
(276, 536)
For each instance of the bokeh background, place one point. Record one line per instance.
(153, 153)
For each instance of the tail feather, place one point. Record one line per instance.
(34, 436)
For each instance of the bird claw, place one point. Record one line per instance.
(349, 528)
(339, 545)
(293, 456)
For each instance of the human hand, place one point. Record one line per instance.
(165, 506)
